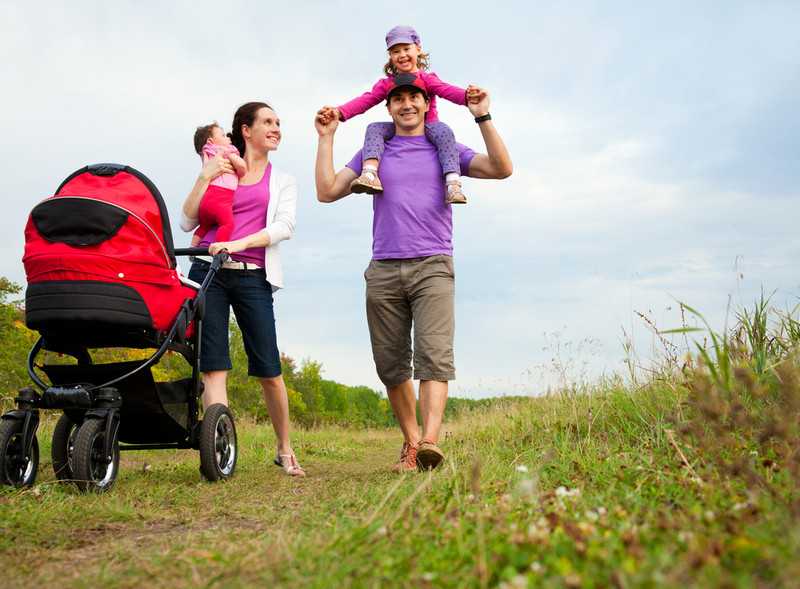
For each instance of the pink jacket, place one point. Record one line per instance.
(379, 91)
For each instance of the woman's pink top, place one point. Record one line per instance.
(250, 202)
(210, 150)
(381, 88)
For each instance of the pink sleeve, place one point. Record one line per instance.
(209, 151)
(366, 101)
(231, 149)
(444, 90)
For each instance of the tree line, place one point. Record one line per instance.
(313, 400)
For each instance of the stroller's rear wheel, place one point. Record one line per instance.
(63, 447)
(218, 451)
(15, 469)
(92, 470)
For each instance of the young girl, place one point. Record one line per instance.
(216, 208)
(406, 56)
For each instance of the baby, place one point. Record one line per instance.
(216, 208)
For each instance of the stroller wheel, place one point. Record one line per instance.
(15, 470)
(218, 451)
(93, 471)
(63, 448)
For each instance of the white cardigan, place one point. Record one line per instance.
(279, 225)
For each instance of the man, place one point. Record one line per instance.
(410, 280)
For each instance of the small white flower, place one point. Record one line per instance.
(428, 577)
(522, 468)
(536, 566)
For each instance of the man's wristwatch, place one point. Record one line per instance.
(486, 117)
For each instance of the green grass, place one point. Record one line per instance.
(589, 490)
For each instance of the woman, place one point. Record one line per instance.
(264, 215)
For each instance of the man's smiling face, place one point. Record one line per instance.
(407, 107)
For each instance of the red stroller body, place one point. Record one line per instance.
(102, 273)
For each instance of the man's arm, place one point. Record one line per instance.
(496, 162)
(331, 186)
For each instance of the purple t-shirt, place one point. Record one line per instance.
(410, 217)
(250, 202)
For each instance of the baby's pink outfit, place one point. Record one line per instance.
(210, 150)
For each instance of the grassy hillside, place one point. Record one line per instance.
(609, 489)
(690, 479)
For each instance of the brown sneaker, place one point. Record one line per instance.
(454, 195)
(429, 456)
(408, 459)
(368, 182)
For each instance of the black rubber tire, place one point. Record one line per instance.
(90, 473)
(11, 471)
(218, 450)
(63, 447)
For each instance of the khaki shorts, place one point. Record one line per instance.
(417, 293)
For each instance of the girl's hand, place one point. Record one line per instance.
(475, 94)
(325, 122)
(231, 246)
(216, 166)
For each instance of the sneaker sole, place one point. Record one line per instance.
(361, 189)
(428, 459)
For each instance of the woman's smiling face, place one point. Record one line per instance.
(265, 133)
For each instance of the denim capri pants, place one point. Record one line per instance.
(250, 296)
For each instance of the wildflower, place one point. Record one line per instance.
(536, 567)
(522, 468)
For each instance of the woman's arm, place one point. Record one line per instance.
(281, 228)
(366, 101)
(212, 168)
(257, 239)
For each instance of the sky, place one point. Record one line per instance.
(655, 149)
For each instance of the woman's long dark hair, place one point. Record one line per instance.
(244, 115)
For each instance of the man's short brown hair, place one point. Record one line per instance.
(201, 136)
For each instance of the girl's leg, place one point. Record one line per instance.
(445, 141)
(374, 143)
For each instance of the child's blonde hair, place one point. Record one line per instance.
(422, 63)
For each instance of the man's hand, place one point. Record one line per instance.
(216, 166)
(326, 121)
(477, 101)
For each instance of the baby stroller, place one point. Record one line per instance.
(102, 273)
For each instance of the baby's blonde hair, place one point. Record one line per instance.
(422, 63)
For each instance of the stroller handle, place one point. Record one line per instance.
(191, 251)
(201, 251)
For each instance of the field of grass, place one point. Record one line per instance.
(609, 489)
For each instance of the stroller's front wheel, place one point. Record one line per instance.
(218, 451)
(15, 468)
(94, 471)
